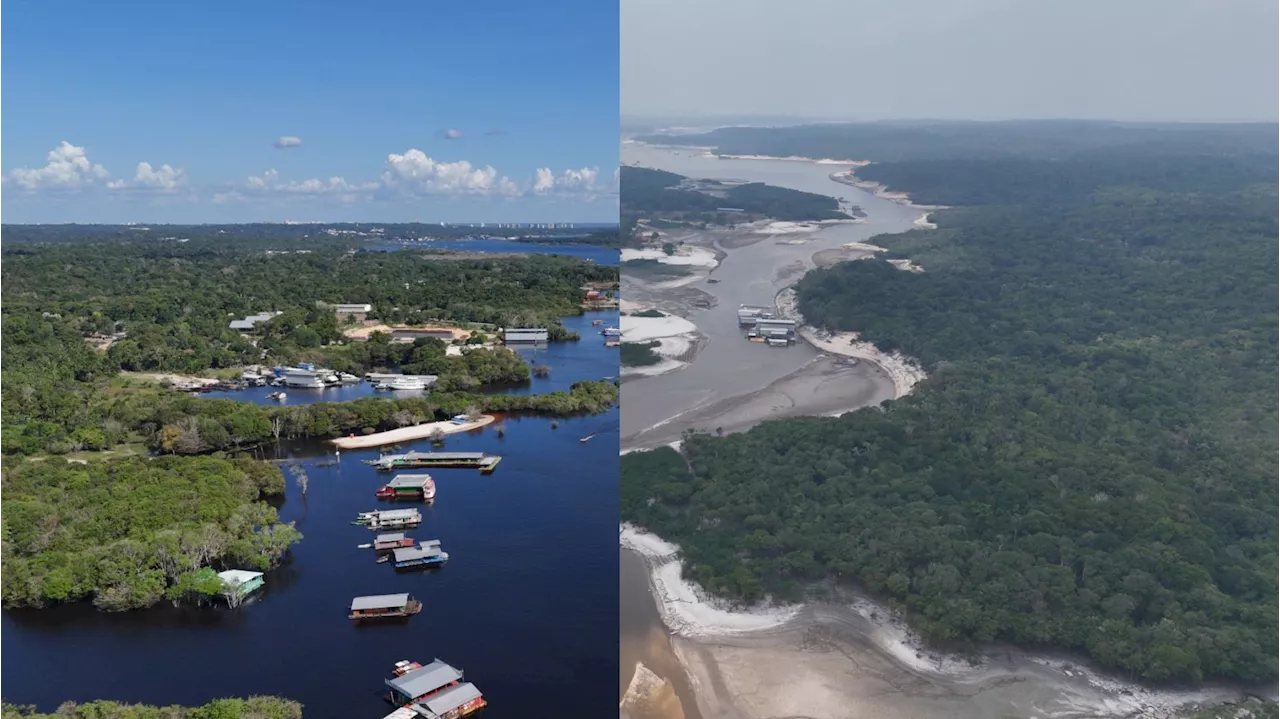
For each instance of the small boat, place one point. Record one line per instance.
(611, 332)
(597, 323)
(278, 396)
(404, 666)
(383, 559)
(363, 546)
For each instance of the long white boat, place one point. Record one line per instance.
(304, 378)
(407, 383)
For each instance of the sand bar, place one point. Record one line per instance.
(405, 434)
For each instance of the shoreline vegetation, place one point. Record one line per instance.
(1034, 515)
(131, 533)
(257, 707)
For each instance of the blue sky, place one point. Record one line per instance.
(497, 110)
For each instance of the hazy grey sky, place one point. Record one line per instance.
(961, 59)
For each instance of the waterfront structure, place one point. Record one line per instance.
(425, 555)
(247, 324)
(303, 377)
(486, 463)
(389, 519)
(386, 378)
(384, 606)
(417, 487)
(525, 335)
(385, 543)
(776, 329)
(436, 691)
(750, 315)
(240, 583)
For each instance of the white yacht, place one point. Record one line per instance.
(304, 378)
(404, 383)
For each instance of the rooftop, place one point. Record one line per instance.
(423, 551)
(379, 601)
(399, 514)
(452, 698)
(425, 680)
(238, 576)
(410, 480)
(393, 537)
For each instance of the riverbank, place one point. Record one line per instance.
(859, 658)
(406, 434)
(903, 370)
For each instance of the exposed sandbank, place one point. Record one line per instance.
(405, 434)
(904, 371)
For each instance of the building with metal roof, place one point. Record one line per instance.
(248, 323)
(416, 481)
(379, 601)
(451, 698)
(526, 334)
(392, 537)
(420, 682)
(426, 550)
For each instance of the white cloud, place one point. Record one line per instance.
(580, 180)
(68, 168)
(288, 141)
(146, 177)
(416, 173)
(452, 134)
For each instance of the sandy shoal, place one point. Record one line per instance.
(404, 434)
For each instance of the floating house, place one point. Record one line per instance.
(424, 556)
(389, 519)
(420, 683)
(772, 328)
(383, 606)
(751, 315)
(409, 487)
(452, 703)
(240, 583)
(486, 463)
(385, 543)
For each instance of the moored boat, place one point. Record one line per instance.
(424, 556)
(434, 691)
(412, 487)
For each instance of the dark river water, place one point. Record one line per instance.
(526, 606)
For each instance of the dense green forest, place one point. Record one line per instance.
(175, 300)
(933, 140)
(651, 194)
(1091, 464)
(169, 304)
(251, 708)
(130, 532)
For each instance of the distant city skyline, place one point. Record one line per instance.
(401, 112)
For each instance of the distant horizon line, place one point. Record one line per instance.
(806, 119)
(481, 225)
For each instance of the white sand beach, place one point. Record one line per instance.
(904, 371)
(685, 607)
(405, 434)
(694, 256)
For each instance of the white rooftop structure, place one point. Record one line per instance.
(235, 577)
(379, 601)
(425, 680)
(451, 698)
(248, 322)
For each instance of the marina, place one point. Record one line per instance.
(383, 607)
(486, 463)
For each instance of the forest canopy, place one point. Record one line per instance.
(251, 708)
(130, 532)
(1091, 464)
